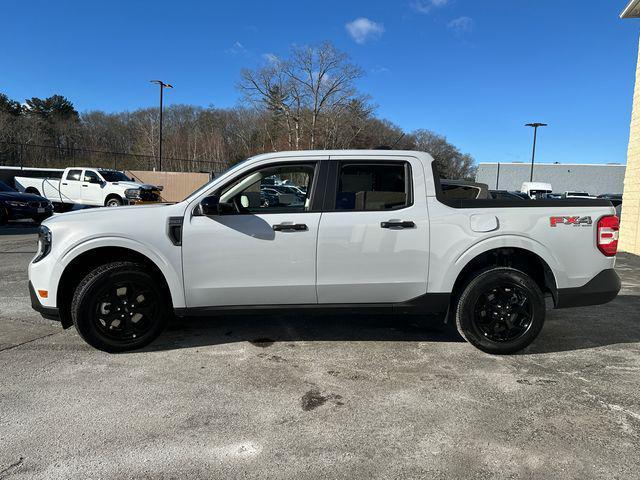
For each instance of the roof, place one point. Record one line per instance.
(632, 10)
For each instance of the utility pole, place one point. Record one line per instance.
(162, 87)
(535, 134)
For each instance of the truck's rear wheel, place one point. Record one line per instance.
(501, 310)
(118, 307)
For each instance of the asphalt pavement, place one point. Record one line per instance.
(317, 397)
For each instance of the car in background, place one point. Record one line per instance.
(553, 196)
(507, 195)
(574, 194)
(463, 189)
(269, 197)
(536, 190)
(90, 186)
(15, 205)
(615, 198)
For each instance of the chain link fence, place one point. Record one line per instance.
(42, 156)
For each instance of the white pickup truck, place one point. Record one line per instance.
(375, 230)
(90, 186)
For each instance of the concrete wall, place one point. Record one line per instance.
(595, 179)
(630, 228)
(177, 185)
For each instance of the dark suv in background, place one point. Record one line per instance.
(15, 205)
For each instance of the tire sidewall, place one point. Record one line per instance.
(83, 309)
(465, 314)
(117, 202)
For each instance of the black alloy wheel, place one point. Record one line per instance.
(500, 310)
(120, 306)
(503, 313)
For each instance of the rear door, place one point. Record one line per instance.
(70, 186)
(373, 240)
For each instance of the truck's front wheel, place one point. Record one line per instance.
(114, 201)
(501, 310)
(118, 307)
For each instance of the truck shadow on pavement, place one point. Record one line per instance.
(565, 330)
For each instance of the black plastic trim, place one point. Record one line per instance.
(50, 313)
(600, 289)
(174, 230)
(427, 304)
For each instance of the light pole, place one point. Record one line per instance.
(535, 135)
(162, 87)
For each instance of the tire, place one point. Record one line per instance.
(32, 190)
(110, 291)
(113, 202)
(4, 216)
(500, 311)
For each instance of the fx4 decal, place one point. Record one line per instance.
(575, 221)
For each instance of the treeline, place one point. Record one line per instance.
(306, 101)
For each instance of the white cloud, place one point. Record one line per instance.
(461, 24)
(270, 58)
(236, 49)
(425, 6)
(362, 30)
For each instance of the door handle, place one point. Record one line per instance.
(397, 224)
(85, 185)
(64, 183)
(290, 227)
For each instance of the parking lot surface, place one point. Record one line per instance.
(317, 397)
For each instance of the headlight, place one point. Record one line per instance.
(16, 204)
(44, 243)
(132, 193)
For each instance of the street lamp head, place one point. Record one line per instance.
(535, 125)
(161, 83)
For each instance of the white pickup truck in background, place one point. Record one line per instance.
(90, 186)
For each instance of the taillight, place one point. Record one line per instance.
(608, 231)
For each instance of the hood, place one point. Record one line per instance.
(143, 186)
(21, 197)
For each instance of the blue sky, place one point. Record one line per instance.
(473, 70)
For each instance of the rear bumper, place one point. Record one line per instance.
(50, 313)
(600, 289)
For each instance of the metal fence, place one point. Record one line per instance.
(44, 156)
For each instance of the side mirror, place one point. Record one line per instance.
(212, 206)
(209, 205)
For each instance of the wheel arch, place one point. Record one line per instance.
(114, 195)
(32, 190)
(80, 261)
(502, 250)
(520, 258)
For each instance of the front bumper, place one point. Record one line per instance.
(50, 313)
(16, 213)
(600, 289)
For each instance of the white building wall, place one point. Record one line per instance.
(592, 178)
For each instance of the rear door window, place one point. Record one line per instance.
(367, 187)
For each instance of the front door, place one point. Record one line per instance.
(261, 249)
(373, 239)
(91, 188)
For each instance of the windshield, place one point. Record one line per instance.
(5, 188)
(216, 175)
(114, 176)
